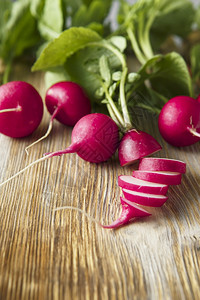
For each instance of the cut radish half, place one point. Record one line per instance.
(134, 184)
(169, 178)
(145, 198)
(136, 144)
(128, 213)
(162, 164)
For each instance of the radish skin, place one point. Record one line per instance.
(179, 121)
(95, 138)
(138, 185)
(136, 144)
(71, 101)
(168, 178)
(128, 213)
(21, 109)
(67, 102)
(145, 198)
(162, 164)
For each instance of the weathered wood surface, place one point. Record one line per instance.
(64, 255)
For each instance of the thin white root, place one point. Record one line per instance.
(79, 210)
(10, 109)
(194, 132)
(42, 138)
(27, 167)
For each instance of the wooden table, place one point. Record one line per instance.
(47, 254)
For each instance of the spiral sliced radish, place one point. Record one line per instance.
(145, 198)
(162, 164)
(169, 178)
(134, 184)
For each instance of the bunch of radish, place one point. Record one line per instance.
(147, 186)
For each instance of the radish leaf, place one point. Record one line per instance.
(68, 42)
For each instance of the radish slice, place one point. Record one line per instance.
(128, 213)
(145, 198)
(169, 178)
(162, 164)
(134, 184)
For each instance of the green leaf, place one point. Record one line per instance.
(83, 68)
(5, 6)
(105, 70)
(68, 42)
(132, 77)
(119, 42)
(116, 76)
(50, 17)
(19, 31)
(175, 17)
(168, 75)
(197, 17)
(195, 62)
(95, 11)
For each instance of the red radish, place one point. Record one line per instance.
(95, 138)
(168, 178)
(179, 121)
(128, 213)
(145, 198)
(67, 102)
(136, 144)
(138, 185)
(162, 164)
(21, 109)
(198, 98)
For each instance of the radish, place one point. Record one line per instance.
(145, 198)
(136, 144)
(95, 138)
(168, 178)
(21, 109)
(128, 213)
(67, 102)
(138, 185)
(162, 164)
(179, 121)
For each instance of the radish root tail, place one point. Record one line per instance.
(79, 210)
(26, 168)
(42, 138)
(193, 131)
(47, 133)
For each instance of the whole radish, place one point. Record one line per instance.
(95, 138)
(67, 102)
(21, 109)
(179, 121)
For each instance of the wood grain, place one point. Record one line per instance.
(47, 254)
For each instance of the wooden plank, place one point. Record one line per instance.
(64, 254)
